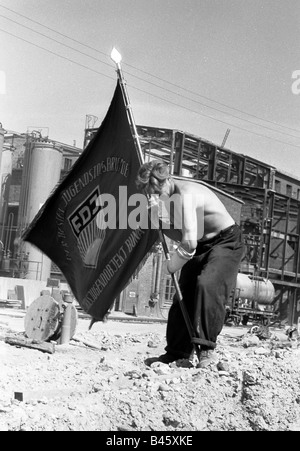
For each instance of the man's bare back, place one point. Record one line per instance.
(198, 210)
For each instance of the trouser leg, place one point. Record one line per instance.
(213, 289)
(178, 338)
(206, 283)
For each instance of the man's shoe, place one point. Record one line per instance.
(207, 358)
(164, 358)
(167, 358)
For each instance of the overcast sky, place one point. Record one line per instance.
(200, 66)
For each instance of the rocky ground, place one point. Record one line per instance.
(253, 386)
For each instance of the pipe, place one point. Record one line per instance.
(66, 324)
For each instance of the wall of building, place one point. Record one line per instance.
(287, 185)
(32, 288)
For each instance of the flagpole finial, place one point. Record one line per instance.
(116, 56)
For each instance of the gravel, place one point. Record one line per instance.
(254, 385)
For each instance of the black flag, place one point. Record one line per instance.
(83, 227)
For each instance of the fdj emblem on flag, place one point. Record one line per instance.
(75, 228)
(89, 232)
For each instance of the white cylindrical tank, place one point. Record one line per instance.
(255, 289)
(2, 132)
(43, 162)
(6, 161)
(5, 172)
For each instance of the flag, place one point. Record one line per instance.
(83, 226)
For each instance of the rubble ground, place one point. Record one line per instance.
(253, 386)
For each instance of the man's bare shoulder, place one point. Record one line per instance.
(193, 187)
(200, 194)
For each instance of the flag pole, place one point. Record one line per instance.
(117, 58)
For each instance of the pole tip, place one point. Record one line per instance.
(116, 56)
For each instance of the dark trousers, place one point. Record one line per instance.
(206, 282)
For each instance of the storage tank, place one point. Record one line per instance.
(42, 170)
(2, 132)
(255, 289)
(6, 161)
(5, 179)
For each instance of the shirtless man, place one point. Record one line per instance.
(208, 256)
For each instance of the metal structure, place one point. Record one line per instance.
(270, 216)
(27, 160)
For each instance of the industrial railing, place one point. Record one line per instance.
(19, 268)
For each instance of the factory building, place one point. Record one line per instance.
(31, 166)
(268, 212)
(270, 221)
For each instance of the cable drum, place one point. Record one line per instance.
(44, 319)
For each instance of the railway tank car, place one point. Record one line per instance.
(252, 299)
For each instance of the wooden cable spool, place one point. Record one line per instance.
(43, 320)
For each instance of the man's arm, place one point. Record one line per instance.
(189, 223)
(187, 247)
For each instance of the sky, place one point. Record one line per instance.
(199, 66)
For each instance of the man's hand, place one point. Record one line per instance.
(153, 206)
(175, 264)
(153, 200)
(179, 259)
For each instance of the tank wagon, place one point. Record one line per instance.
(252, 299)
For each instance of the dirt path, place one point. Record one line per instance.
(255, 386)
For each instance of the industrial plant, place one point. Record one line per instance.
(264, 200)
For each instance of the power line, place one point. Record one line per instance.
(56, 54)
(220, 111)
(153, 84)
(145, 92)
(219, 103)
(154, 76)
(55, 31)
(55, 40)
(215, 119)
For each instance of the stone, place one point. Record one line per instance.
(250, 377)
(223, 366)
(249, 341)
(164, 387)
(262, 351)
